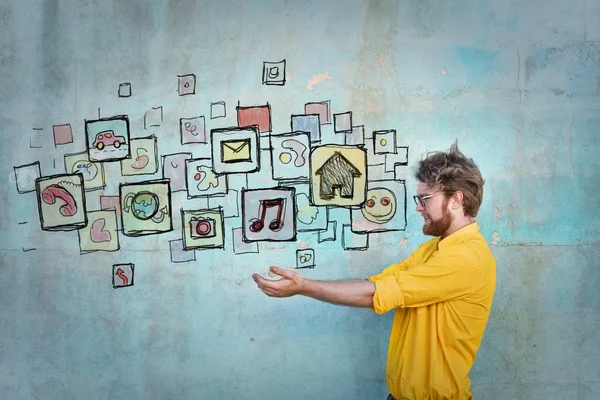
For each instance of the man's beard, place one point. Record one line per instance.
(440, 226)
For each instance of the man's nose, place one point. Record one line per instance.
(420, 207)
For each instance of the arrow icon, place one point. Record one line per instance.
(121, 274)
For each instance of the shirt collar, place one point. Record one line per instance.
(457, 235)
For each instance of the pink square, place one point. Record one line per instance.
(187, 84)
(255, 115)
(321, 108)
(62, 134)
(112, 203)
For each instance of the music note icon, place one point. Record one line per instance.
(257, 224)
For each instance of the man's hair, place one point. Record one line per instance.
(452, 171)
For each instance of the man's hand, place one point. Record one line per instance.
(290, 284)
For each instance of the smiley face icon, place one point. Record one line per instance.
(380, 206)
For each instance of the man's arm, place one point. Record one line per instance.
(353, 293)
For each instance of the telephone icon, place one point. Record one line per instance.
(53, 192)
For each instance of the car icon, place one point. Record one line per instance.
(108, 138)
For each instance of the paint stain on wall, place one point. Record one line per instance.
(495, 238)
(444, 72)
(498, 214)
(316, 79)
(403, 243)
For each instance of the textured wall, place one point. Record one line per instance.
(516, 82)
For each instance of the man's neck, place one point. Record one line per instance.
(457, 224)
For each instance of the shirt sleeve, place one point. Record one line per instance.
(402, 266)
(450, 274)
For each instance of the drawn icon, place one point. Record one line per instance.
(202, 180)
(289, 156)
(192, 130)
(257, 224)
(92, 172)
(338, 175)
(297, 148)
(97, 232)
(380, 206)
(204, 229)
(101, 232)
(143, 205)
(174, 170)
(384, 209)
(274, 73)
(141, 160)
(25, 177)
(233, 151)
(205, 177)
(123, 275)
(146, 207)
(61, 202)
(50, 194)
(144, 157)
(269, 214)
(236, 150)
(384, 142)
(201, 227)
(108, 138)
(187, 84)
(305, 258)
(86, 168)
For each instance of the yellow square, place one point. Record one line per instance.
(235, 150)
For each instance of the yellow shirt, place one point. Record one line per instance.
(442, 295)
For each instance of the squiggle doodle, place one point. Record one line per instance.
(206, 178)
(52, 192)
(87, 169)
(298, 148)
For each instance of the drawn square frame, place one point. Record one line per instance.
(250, 133)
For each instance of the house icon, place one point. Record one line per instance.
(337, 173)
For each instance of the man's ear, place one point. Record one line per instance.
(457, 200)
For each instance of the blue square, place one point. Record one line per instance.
(307, 123)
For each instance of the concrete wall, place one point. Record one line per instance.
(516, 82)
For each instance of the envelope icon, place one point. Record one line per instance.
(233, 151)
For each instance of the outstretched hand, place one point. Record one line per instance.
(290, 283)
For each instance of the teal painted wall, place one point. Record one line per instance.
(517, 84)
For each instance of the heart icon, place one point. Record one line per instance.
(140, 161)
(97, 234)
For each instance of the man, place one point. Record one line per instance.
(442, 293)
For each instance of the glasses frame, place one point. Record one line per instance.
(420, 200)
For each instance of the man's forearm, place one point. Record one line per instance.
(353, 293)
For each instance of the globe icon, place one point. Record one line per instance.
(144, 205)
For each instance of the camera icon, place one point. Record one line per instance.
(201, 227)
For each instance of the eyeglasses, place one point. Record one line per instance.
(420, 200)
